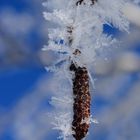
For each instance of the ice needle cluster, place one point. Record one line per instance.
(87, 22)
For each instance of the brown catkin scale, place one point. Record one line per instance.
(81, 105)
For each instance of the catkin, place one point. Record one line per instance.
(81, 105)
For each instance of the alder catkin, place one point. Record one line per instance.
(81, 93)
(81, 105)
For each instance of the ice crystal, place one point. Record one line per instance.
(87, 23)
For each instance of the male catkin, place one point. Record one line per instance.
(81, 105)
(81, 93)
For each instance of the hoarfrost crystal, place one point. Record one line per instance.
(75, 31)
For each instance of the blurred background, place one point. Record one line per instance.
(25, 87)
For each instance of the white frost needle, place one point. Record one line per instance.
(76, 34)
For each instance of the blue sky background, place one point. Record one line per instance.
(24, 81)
(17, 79)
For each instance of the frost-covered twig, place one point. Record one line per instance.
(81, 93)
(76, 34)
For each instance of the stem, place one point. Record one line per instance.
(81, 94)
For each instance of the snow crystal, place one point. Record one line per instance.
(87, 36)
